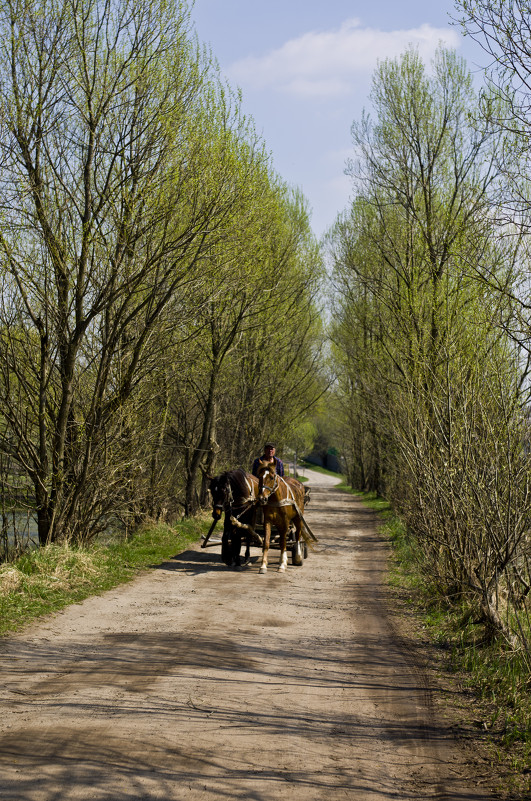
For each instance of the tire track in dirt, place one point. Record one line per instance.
(199, 682)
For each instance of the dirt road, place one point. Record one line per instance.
(200, 682)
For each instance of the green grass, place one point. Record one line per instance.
(48, 579)
(303, 465)
(342, 486)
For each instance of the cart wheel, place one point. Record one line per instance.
(297, 554)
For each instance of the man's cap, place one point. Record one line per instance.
(270, 445)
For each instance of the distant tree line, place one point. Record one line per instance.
(159, 313)
(431, 300)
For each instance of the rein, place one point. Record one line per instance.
(228, 500)
(246, 503)
(289, 501)
(272, 489)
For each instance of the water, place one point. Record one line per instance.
(22, 529)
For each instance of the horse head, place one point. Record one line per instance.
(221, 492)
(267, 481)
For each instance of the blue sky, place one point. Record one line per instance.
(305, 67)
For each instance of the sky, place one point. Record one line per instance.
(305, 70)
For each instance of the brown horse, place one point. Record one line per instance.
(282, 500)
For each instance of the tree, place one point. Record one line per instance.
(503, 31)
(419, 337)
(116, 172)
(255, 363)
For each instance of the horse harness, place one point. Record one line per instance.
(289, 501)
(228, 502)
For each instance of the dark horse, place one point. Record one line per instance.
(235, 492)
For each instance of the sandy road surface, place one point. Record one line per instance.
(200, 682)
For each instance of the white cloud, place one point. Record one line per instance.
(326, 63)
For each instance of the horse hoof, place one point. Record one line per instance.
(282, 569)
(263, 570)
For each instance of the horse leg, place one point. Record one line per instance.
(236, 544)
(283, 532)
(265, 546)
(248, 537)
(226, 543)
(298, 557)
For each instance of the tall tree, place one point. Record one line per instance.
(419, 335)
(114, 174)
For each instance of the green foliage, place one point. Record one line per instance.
(302, 437)
(429, 386)
(319, 469)
(161, 281)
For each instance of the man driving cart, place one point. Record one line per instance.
(269, 456)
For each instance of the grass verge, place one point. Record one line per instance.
(48, 579)
(308, 465)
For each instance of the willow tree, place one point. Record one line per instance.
(112, 183)
(253, 335)
(421, 180)
(279, 371)
(502, 29)
(420, 336)
(363, 368)
(241, 291)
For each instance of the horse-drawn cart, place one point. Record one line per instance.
(249, 506)
(297, 548)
